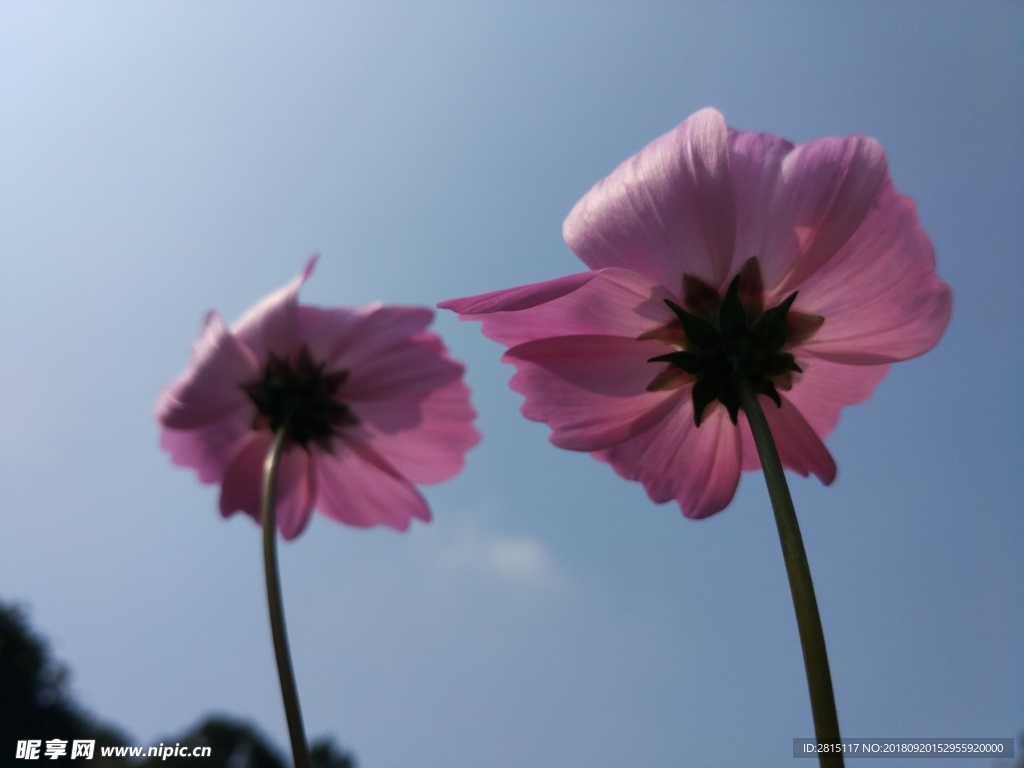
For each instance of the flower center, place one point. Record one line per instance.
(300, 395)
(724, 341)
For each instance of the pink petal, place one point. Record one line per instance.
(423, 438)
(502, 310)
(358, 487)
(296, 484)
(800, 449)
(665, 211)
(409, 369)
(614, 302)
(825, 191)
(296, 491)
(699, 467)
(240, 489)
(755, 160)
(210, 448)
(350, 339)
(272, 326)
(880, 297)
(326, 330)
(210, 388)
(516, 299)
(825, 387)
(591, 390)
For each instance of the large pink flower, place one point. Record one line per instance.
(696, 248)
(382, 407)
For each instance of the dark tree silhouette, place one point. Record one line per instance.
(34, 699)
(35, 703)
(237, 744)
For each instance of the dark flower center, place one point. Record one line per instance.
(726, 340)
(300, 395)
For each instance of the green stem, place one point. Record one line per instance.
(300, 753)
(812, 639)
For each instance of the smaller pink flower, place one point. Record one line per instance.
(380, 406)
(710, 252)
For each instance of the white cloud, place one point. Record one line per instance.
(519, 560)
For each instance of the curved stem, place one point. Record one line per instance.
(300, 753)
(812, 639)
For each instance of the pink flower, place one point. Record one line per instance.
(380, 406)
(714, 248)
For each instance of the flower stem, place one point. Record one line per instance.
(300, 753)
(812, 639)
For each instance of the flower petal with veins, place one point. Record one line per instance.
(383, 403)
(836, 279)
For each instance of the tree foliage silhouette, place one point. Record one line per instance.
(36, 703)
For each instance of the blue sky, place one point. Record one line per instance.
(158, 160)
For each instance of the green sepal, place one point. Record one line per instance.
(686, 361)
(780, 363)
(699, 331)
(729, 396)
(732, 343)
(769, 330)
(705, 392)
(732, 318)
(764, 386)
